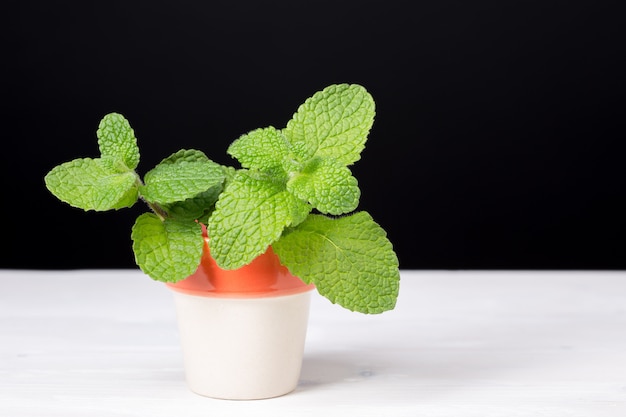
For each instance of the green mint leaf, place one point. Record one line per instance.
(327, 186)
(201, 206)
(250, 214)
(195, 208)
(169, 250)
(92, 184)
(116, 139)
(260, 149)
(229, 174)
(189, 155)
(349, 259)
(181, 176)
(332, 123)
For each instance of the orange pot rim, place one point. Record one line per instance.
(263, 277)
(243, 295)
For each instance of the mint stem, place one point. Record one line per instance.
(156, 209)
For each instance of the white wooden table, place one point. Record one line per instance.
(104, 343)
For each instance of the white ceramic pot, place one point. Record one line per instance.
(242, 348)
(243, 331)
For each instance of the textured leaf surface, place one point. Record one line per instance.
(251, 214)
(167, 250)
(349, 259)
(180, 179)
(329, 187)
(261, 149)
(116, 139)
(92, 184)
(195, 208)
(333, 123)
(189, 155)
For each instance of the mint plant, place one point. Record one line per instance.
(293, 191)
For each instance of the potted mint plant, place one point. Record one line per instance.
(243, 247)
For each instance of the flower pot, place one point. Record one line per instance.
(242, 332)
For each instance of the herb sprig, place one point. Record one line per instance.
(293, 191)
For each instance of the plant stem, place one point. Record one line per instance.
(156, 209)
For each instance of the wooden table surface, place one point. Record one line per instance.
(94, 343)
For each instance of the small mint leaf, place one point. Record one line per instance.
(327, 186)
(169, 250)
(229, 175)
(201, 206)
(189, 155)
(349, 259)
(250, 214)
(260, 149)
(116, 139)
(92, 184)
(195, 208)
(180, 178)
(333, 123)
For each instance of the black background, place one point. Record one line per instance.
(498, 141)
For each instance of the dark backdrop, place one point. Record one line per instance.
(498, 141)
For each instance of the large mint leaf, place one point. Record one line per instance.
(349, 259)
(328, 186)
(167, 250)
(261, 149)
(92, 184)
(116, 139)
(250, 214)
(333, 123)
(181, 176)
